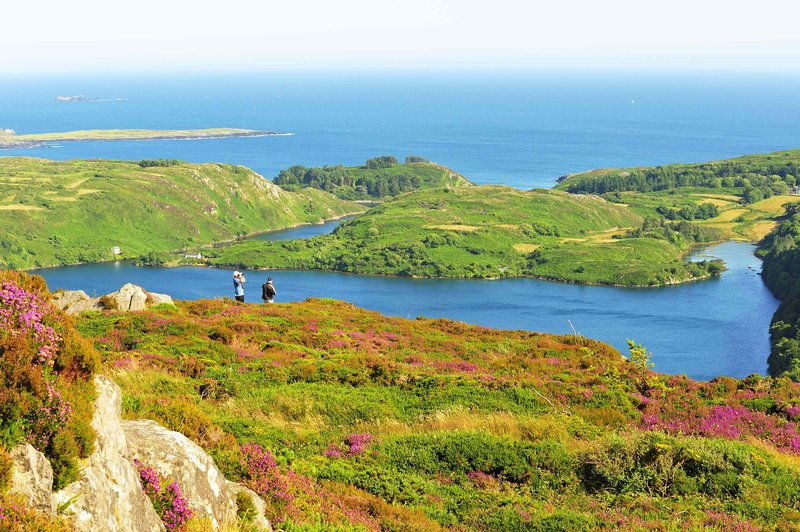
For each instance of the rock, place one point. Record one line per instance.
(158, 299)
(175, 456)
(129, 297)
(74, 301)
(108, 495)
(32, 478)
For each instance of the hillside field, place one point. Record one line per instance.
(55, 213)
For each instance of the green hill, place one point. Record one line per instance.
(490, 232)
(756, 177)
(379, 178)
(360, 420)
(781, 254)
(76, 211)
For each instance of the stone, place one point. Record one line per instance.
(108, 495)
(176, 457)
(74, 301)
(158, 299)
(32, 478)
(129, 297)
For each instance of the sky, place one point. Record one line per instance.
(128, 35)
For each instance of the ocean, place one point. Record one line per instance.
(517, 129)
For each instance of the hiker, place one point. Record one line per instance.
(238, 286)
(268, 291)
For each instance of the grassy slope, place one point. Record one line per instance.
(11, 141)
(738, 221)
(482, 232)
(66, 212)
(500, 430)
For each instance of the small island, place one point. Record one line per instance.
(75, 99)
(10, 140)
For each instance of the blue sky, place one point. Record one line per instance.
(94, 35)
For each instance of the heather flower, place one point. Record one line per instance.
(357, 443)
(169, 503)
(22, 312)
(48, 418)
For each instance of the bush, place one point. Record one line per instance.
(46, 371)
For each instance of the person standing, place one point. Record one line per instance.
(238, 286)
(268, 291)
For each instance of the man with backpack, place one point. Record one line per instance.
(268, 291)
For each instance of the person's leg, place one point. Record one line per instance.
(240, 299)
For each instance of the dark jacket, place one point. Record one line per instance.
(267, 291)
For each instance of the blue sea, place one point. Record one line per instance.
(518, 129)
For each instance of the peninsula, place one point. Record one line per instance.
(11, 140)
(92, 211)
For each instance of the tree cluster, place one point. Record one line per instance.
(340, 181)
(704, 211)
(781, 273)
(760, 179)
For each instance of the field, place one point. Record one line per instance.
(377, 422)
(55, 213)
(484, 232)
(34, 139)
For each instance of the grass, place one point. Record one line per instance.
(737, 221)
(32, 139)
(465, 426)
(76, 211)
(484, 232)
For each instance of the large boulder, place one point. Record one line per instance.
(108, 495)
(181, 460)
(129, 297)
(32, 478)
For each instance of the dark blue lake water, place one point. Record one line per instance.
(516, 129)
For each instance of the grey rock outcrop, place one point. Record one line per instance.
(128, 298)
(175, 456)
(74, 301)
(108, 495)
(32, 478)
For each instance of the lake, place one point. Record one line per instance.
(704, 329)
